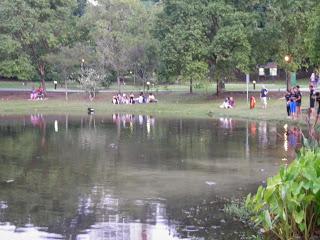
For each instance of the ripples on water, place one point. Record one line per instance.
(132, 177)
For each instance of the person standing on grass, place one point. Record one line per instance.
(313, 78)
(287, 98)
(312, 100)
(298, 99)
(263, 96)
(293, 106)
(317, 98)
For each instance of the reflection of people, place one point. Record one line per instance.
(253, 128)
(263, 137)
(294, 134)
(263, 96)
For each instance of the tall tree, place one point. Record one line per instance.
(313, 38)
(181, 33)
(203, 32)
(120, 35)
(35, 28)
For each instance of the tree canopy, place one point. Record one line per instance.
(169, 40)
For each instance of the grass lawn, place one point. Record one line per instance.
(205, 87)
(178, 105)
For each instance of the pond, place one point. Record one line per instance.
(132, 177)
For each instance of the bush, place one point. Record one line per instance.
(289, 206)
(237, 209)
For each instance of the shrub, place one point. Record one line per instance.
(237, 209)
(289, 206)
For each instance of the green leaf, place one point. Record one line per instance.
(267, 219)
(298, 216)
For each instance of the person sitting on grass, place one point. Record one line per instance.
(33, 94)
(115, 100)
(232, 103)
(40, 93)
(226, 103)
(132, 98)
(152, 98)
(141, 98)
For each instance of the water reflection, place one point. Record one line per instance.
(130, 176)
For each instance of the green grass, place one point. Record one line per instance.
(206, 87)
(170, 105)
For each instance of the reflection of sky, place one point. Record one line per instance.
(111, 225)
(132, 231)
(11, 232)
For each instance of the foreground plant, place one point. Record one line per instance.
(289, 206)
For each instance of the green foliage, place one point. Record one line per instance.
(121, 38)
(211, 32)
(290, 204)
(109, 78)
(89, 79)
(313, 37)
(81, 7)
(237, 209)
(30, 30)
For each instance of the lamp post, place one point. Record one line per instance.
(287, 60)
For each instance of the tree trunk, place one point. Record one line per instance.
(289, 80)
(191, 87)
(42, 72)
(118, 81)
(218, 89)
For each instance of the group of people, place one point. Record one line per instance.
(37, 94)
(293, 99)
(131, 99)
(228, 103)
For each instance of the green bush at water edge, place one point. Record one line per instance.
(289, 207)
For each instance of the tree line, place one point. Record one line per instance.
(166, 40)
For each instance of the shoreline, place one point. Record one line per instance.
(195, 109)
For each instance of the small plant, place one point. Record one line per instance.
(199, 85)
(89, 79)
(237, 209)
(289, 206)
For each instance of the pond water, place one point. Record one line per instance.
(131, 177)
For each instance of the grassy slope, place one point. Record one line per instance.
(170, 105)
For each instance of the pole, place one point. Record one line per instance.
(287, 80)
(247, 80)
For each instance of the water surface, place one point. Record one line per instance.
(131, 177)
